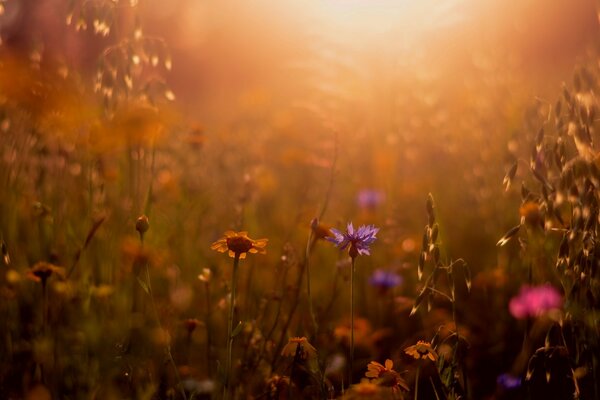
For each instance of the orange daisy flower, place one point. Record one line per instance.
(238, 244)
(384, 375)
(421, 350)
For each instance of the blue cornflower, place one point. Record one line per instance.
(370, 198)
(357, 242)
(383, 279)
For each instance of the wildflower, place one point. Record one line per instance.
(357, 242)
(191, 324)
(369, 390)
(363, 332)
(384, 280)
(421, 350)
(102, 291)
(42, 270)
(370, 198)
(205, 275)
(238, 244)
(301, 345)
(530, 214)
(384, 375)
(508, 381)
(365, 388)
(533, 301)
(320, 230)
(204, 387)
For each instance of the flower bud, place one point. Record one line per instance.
(142, 224)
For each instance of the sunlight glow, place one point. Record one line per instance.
(367, 18)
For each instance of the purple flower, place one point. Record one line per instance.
(533, 301)
(357, 241)
(508, 381)
(370, 198)
(383, 279)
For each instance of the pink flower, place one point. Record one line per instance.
(533, 301)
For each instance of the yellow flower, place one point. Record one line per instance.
(306, 349)
(422, 350)
(238, 244)
(384, 375)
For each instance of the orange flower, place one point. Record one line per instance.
(238, 244)
(306, 349)
(319, 230)
(42, 270)
(384, 375)
(531, 214)
(422, 350)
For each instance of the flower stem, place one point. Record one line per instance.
(310, 305)
(236, 262)
(351, 322)
(156, 316)
(417, 382)
(208, 329)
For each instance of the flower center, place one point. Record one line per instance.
(239, 244)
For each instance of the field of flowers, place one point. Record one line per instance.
(345, 224)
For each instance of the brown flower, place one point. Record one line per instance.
(422, 350)
(237, 244)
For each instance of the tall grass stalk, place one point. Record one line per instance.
(351, 322)
(158, 323)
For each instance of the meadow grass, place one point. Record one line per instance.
(113, 208)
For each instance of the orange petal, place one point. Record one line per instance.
(389, 364)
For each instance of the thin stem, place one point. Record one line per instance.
(155, 311)
(207, 323)
(417, 382)
(310, 305)
(351, 322)
(236, 262)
